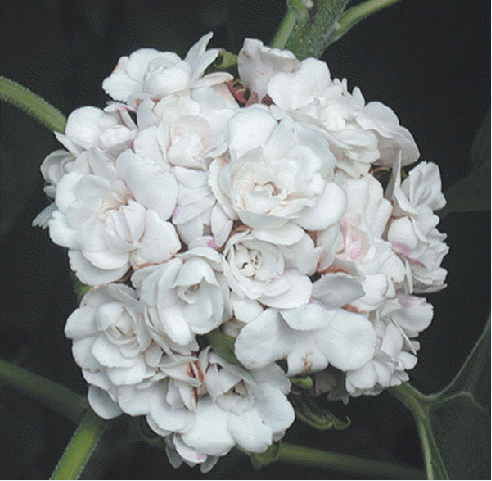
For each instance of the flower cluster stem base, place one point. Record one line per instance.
(80, 447)
(50, 393)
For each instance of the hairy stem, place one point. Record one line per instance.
(285, 30)
(80, 447)
(53, 395)
(355, 14)
(32, 104)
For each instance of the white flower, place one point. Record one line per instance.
(185, 296)
(257, 64)
(109, 343)
(105, 231)
(359, 134)
(309, 337)
(149, 73)
(257, 270)
(388, 365)
(250, 411)
(412, 229)
(364, 254)
(278, 174)
(111, 129)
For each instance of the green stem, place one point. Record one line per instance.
(418, 404)
(32, 104)
(290, 453)
(355, 14)
(285, 29)
(53, 395)
(314, 23)
(80, 447)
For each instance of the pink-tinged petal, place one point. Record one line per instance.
(298, 294)
(249, 431)
(189, 454)
(415, 315)
(350, 341)
(209, 434)
(328, 210)
(263, 341)
(306, 356)
(102, 404)
(308, 317)
(402, 235)
(337, 290)
(90, 274)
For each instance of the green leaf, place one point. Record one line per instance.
(454, 424)
(258, 460)
(32, 104)
(80, 288)
(309, 412)
(472, 193)
(223, 345)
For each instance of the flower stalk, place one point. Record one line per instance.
(80, 447)
(32, 104)
(51, 394)
(355, 14)
(290, 453)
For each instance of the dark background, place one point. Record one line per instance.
(428, 61)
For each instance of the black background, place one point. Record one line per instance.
(428, 61)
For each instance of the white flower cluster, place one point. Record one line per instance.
(190, 206)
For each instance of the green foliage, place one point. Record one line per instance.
(309, 412)
(472, 193)
(314, 24)
(79, 288)
(454, 424)
(258, 460)
(223, 345)
(21, 152)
